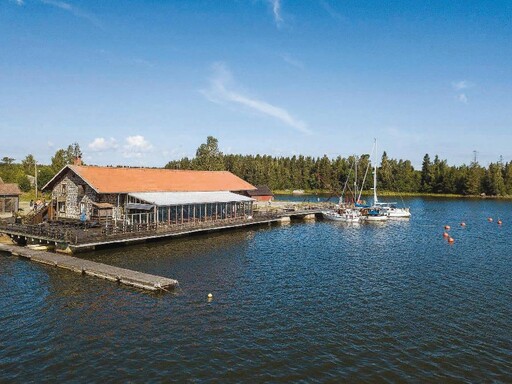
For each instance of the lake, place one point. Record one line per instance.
(310, 302)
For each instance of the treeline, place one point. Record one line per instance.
(24, 173)
(323, 173)
(304, 172)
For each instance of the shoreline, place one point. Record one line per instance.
(390, 193)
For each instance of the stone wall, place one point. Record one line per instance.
(77, 193)
(72, 190)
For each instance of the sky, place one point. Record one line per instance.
(141, 83)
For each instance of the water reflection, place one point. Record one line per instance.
(317, 301)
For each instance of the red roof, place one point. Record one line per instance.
(125, 180)
(9, 189)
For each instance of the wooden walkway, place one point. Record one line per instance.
(91, 268)
(73, 239)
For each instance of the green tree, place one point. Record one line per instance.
(7, 160)
(29, 165)
(473, 180)
(208, 156)
(59, 160)
(494, 183)
(73, 152)
(385, 174)
(427, 174)
(24, 184)
(8, 170)
(63, 157)
(45, 174)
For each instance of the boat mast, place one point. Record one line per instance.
(375, 200)
(355, 180)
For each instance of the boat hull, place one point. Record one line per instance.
(351, 217)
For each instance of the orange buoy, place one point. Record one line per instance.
(445, 234)
(447, 227)
(499, 222)
(463, 224)
(450, 240)
(489, 219)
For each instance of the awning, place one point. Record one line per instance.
(186, 198)
(143, 207)
(102, 205)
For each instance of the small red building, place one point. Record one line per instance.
(261, 193)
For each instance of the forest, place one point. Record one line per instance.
(322, 174)
(436, 176)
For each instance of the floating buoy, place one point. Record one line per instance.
(489, 219)
(499, 222)
(450, 240)
(210, 296)
(463, 224)
(445, 234)
(447, 227)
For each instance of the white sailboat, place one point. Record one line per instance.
(375, 213)
(347, 215)
(390, 209)
(343, 212)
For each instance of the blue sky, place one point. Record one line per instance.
(145, 82)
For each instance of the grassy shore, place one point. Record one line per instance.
(395, 194)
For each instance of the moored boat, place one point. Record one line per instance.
(393, 211)
(390, 210)
(374, 214)
(347, 215)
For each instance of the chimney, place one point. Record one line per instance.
(78, 160)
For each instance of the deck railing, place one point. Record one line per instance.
(78, 233)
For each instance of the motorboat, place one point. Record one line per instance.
(393, 211)
(374, 214)
(347, 215)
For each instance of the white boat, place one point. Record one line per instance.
(346, 215)
(374, 214)
(391, 210)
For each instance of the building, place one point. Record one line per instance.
(9, 198)
(147, 195)
(261, 193)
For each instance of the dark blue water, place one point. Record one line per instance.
(310, 302)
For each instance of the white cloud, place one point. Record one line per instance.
(101, 144)
(461, 87)
(335, 15)
(463, 84)
(276, 9)
(463, 98)
(19, 2)
(292, 61)
(136, 146)
(219, 93)
(73, 10)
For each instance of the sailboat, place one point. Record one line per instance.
(344, 212)
(375, 212)
(390, 209)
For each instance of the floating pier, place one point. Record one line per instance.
(92, 268)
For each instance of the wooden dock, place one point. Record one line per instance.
(91, 268)
(73, 240)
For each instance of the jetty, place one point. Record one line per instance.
(70, 238)
(92, 268)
